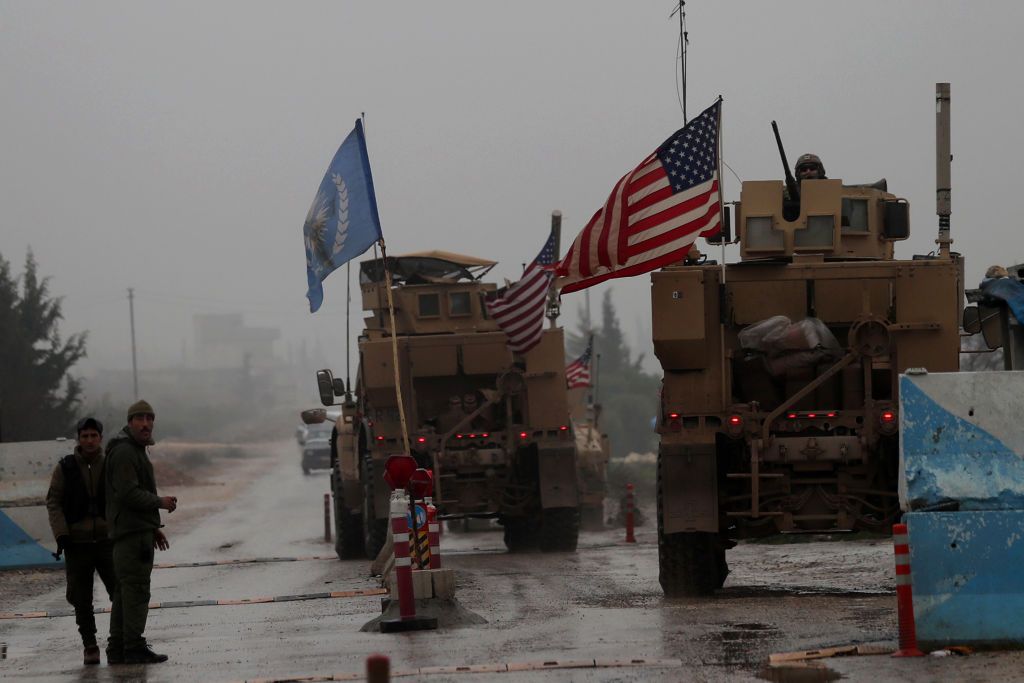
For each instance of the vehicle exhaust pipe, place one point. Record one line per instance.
(943, 161)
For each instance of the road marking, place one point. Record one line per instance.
(498, 667)
(252, 560)
(333, 595)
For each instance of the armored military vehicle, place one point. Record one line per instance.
(779, 398)
(593, 452)
(493, 427)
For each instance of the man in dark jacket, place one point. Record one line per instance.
(133, 516)
(77, 509)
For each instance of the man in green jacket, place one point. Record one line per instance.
(77, 509)
(133, 518)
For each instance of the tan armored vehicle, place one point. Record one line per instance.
(779, 399)
(593, 452)
(494, 428)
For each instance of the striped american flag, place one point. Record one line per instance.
(655, 212)
(577, 373)
(519, 309)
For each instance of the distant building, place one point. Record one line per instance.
(225, 341)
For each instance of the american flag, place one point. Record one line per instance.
(577, 373)
(655, 212)
(519, 309)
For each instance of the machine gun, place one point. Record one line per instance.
(791, 186)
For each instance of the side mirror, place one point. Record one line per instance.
(313, 416)
(325, 384)
(724, 235)
(972, 320)
(897, 220)
(991, 320)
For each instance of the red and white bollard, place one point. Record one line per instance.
(327, 518)
(630, 516)
(407, 621)
(904, 594)
(434, 529)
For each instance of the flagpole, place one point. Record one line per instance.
(394, 349)
(348, 332)
(721, 188)
(553, 304)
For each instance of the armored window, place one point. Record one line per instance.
(430, 305)
(762, 236)
(855, 215)
(819, 233)
(458, 304)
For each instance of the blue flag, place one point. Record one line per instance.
(342, 222)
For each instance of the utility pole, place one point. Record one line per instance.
(135, 367)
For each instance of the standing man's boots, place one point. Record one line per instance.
(115, 655)
(92, 654)
(143, 655)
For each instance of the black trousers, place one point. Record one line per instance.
(82, 561)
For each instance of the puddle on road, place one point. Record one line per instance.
(808, 672)
(742, 644)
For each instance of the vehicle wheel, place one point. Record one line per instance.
(348, 528)
(520, 534)
(375, 531)
(691, 563)
(559, 529)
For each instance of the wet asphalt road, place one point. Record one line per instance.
(603, 602)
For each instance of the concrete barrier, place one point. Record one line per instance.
(962, 452)
(25, 467)
(962, 439)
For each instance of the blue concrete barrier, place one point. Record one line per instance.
(967, 579)
(962, 447)
(25, 537)
(18, 550)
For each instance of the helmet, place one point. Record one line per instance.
(810, 160)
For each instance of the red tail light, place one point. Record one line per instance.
(484, 435)
(735, 420)
(421, 439)
(791, 416)
(523, 435)
(564, 428)
(673, 416)
(472, 436)
(380, 438)
(888, 416)
(458, 436)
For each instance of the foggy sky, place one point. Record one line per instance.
(175, 147)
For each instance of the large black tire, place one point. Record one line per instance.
(375, 531)
(690, 564)
(559, 529)
(520, 534)
(348, 526)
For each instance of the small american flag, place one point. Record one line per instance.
(577, 373)
(519, 309)
(655, 212)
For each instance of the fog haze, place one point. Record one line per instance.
(175, 147)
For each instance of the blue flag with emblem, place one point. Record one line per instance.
(342, 223)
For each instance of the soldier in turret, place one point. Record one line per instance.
(809, 167)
